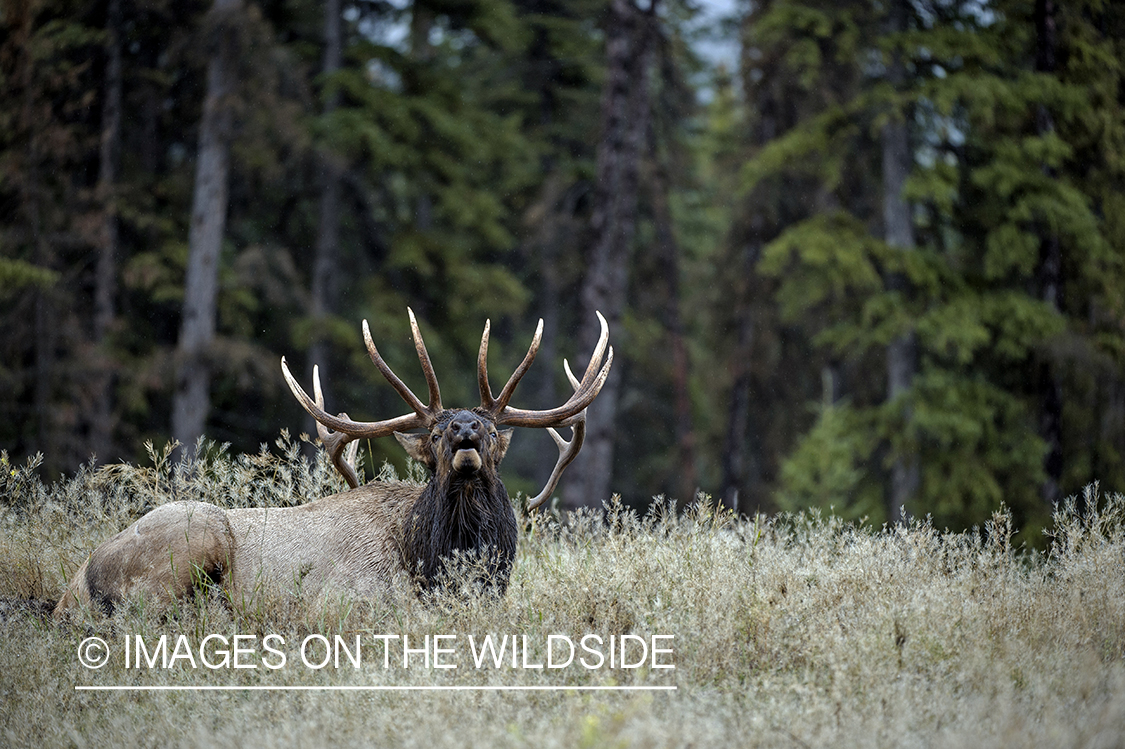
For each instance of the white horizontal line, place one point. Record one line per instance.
(262, 688)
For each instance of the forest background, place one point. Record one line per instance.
(876, 263)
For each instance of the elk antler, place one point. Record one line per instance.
(346, 430)
(571, 414)
(568, 451)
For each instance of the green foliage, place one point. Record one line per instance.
(978, 447)
(989, 184)
(814, 150)
(16, 274)
(830, 467)
(834, 255)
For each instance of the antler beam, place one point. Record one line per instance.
(337, 431)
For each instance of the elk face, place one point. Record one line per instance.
(465, 442)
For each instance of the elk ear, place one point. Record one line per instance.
(417, 446)
(503, 440)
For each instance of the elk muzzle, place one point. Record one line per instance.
(466, 434)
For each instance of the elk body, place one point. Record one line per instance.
(363, 541)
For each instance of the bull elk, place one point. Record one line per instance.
(358, 542)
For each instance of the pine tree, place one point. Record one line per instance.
(626, 110)
(48, 79)
(325, 284)
(809, 158)
(192, 402)
(988, 180)
(106, 273)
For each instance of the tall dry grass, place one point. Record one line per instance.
(791, 631)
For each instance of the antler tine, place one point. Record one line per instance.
(318, 396)
(557, 416)
(335, 442)
(400, 386)
(568, 451)
(497, 405)
(487, 402)
(427, 366)
(354, 429)
(346, 430)
(521, 370)
(599, 349)
(570, 375)
(584, 393)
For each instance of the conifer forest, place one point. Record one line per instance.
(869, 257)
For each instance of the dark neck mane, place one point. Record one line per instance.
(471, 515)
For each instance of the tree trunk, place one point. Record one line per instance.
(739, 463)
(325, 268)
(192, 400)
(668, 252)
(1049, 274)
(733, 460)
(20, 18)
(625, 112)
(105, 278)
(899, 232)
(548, 302)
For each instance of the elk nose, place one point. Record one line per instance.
(465, 427)
(466, 430)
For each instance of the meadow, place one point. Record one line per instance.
(789, 631)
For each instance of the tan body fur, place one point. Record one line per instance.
(347, 543)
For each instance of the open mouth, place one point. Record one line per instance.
(466, 460)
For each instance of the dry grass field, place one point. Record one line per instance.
(797, 631)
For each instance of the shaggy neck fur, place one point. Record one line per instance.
(470, 514)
